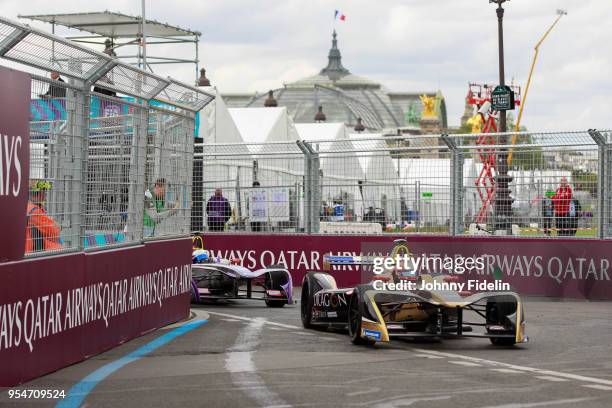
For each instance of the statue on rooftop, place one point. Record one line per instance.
(429, 103)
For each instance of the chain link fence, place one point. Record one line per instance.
(111, 146)
(521, 184)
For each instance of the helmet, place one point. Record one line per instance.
(37, 185)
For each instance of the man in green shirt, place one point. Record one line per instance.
(154, 207)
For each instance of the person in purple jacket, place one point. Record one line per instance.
(218, 210)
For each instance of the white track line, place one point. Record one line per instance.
(459, 356)
(466, 363)
(506, 370)
(572, 401)
(249, 319)
(362, 392)
(520, 368)
(551, 378)
(598, 387)
(427, 356)
(239, 362)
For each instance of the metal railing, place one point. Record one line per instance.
(559, 184)
(111, 146)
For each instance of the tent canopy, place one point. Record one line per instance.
(113, 25)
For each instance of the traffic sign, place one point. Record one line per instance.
(502, 98)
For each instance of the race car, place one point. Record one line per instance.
(372, 315)
(215, 278)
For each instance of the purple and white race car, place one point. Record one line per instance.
(214, 279)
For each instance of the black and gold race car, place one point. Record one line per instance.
(373, 315)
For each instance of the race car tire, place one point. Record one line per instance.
(503, 341)
(354, 321)
(306, 302)
(496, 311)
(275, 303)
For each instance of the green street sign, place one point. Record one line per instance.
(502, 98)
(550, 193)
(426, 195)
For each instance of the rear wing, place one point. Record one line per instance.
(344, 260)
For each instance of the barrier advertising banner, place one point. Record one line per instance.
(542, 267)
(59, 310)
(14, 161)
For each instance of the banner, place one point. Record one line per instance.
(14, 161)
(542, 267)
(59, 310)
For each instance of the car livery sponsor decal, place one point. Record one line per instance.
(372, 334)
(332, 300)
(316, 313)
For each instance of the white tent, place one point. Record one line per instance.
(217, 124)
(277, 166)
(262, 125)
(379, 188)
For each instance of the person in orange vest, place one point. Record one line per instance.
(42, 232)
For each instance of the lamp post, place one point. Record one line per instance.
(503, 201)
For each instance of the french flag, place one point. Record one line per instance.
(339, 16)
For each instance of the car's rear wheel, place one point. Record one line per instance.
(354, 321)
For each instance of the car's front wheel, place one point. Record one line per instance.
(275, 303)
(306, 302)
(354, 321)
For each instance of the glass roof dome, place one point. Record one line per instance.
(345, 97)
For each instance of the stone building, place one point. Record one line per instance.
(345, 97)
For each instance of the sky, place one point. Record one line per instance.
(406, 45)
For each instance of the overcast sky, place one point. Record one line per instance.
(407, 45)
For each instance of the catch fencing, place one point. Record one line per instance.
(521, 184)
(111, 146)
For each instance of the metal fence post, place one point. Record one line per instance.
(312, 195)
(137, 166)
(602, 223)
(307, 187)
(315, 169)
(197, 188)
(79, 191)
(456, 170)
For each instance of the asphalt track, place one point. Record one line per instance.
(247, 355)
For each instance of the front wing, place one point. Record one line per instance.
(394, 314)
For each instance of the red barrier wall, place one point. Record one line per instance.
(547, 267)
(59, 310)
(14, 161)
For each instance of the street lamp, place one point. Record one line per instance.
(503, 201)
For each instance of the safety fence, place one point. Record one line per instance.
(111, 146)
(529, 184)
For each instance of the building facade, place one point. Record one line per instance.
(344, 98)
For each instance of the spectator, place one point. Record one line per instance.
(154, 208)
(55, 91)
(575, 212)
(218, 210)
(561, 201)
(547, 215)
(42, 232)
